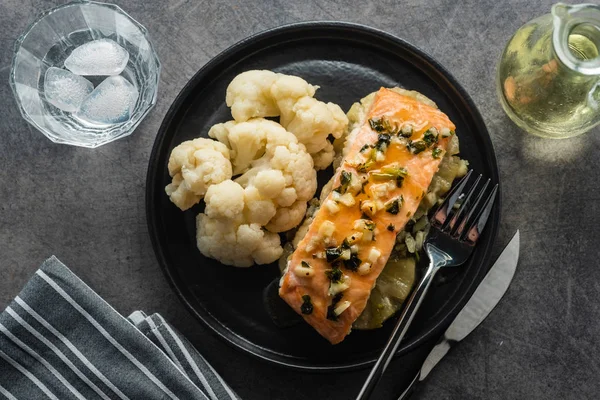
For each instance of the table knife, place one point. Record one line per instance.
(486, 296)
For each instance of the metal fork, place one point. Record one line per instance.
(455, 228)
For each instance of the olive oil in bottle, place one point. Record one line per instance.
(549, 74)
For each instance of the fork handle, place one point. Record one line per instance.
(410, 309)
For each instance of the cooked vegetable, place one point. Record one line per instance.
(194, 165)
(392, 288)
(268, 94)
(278, 179)
(234, 243)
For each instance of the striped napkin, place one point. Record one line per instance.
(60, 340)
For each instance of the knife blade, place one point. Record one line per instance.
(484, 299)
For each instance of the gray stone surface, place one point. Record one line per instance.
(87, 206)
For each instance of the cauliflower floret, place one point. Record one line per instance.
(283, 176)
(249, 95)
(287, 218)
(194, 165)
(267, 94)
(313, 121)
(258, 210)
(286, 91)
(324, 158)
(245, 144)
(224, 200)
(234, 243)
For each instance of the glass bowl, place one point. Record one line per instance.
(48, 42)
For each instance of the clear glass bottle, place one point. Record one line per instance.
(549, 75)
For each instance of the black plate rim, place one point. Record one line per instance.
(205, 317)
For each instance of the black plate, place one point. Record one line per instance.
(347, 61)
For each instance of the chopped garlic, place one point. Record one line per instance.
(347, 200)
(355, 184)
(341, 307)
(367, 236)
(369, 207)
(330, 242)
(326, 229)
(382, 189)
(339, 287)
(354, 249)
(346, 254)
(374, 255)
(359, 224)
(303, 272)
(364, 268)
(407, 129)
(380, 157)
(445, 132)
(356, 236)
(332, 206)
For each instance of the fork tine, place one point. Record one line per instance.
(440, 216)
(463, 206)
(461, 228)
(475, 228)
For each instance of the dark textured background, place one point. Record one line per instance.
(87, 206)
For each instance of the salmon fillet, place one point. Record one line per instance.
(390, 162)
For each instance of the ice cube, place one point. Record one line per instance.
(98, 57)
(111, 102)
(65, 90)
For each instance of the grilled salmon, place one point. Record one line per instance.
(389, 162)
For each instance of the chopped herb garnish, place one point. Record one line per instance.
(430, 138)
(365, 147)
(331, 309)
(353, 263)
(417, 256)
(436, 152)
(305, 264)
(416, 147)
(365, 216)
(345, 245)
(391, 173)
(335, 275)
(391, 227)
(364, 167)
(345, 180)
(331, 138)
(333, 254)
(370, 225)
(406, 131)
(380, 125)
(307, 307)
(383, 140)
(394, 206)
